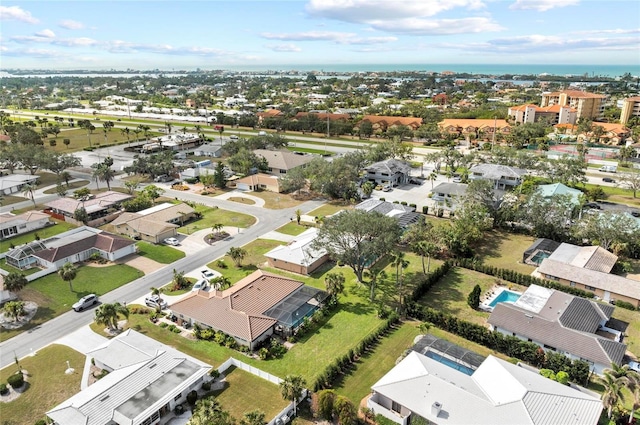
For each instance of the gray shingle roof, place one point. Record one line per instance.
(497, 172)
(391, 166)
(583, 315)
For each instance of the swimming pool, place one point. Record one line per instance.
(448, 362)
(505, 296)
(539, 256)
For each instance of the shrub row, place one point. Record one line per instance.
(427, 281)
(509, 345)
(519, 278)
(342, 364)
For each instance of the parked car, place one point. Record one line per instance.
(207, 275)
(172, 241)
(608, 180)
(85, 302)
(592, 205)
(163, 178)
(200, 285)
(386, 188)
(233, 137)
(635, 366)
(635, 213)
(155, 301)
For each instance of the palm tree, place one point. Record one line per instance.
(633, 385)
(68, 272)
(14, 309)
(298, 216)
(27, 191)
(14, 282)
(137, 132)
(291, 388)
(105, 173)
(612, 393)
(217, 228)
(65, 176)
(237, 254)
(208, 411)
(424, 249)
(334, 282)
(156, 291)
(254, 417)
(108, 314)
(400, 263)
(125, 131)
(374, 275)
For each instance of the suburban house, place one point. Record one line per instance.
(540, 249)
(214, 151)
(298, 256)
(71, 246)
(15, 183)
(496, 393)
(587, 105)
(502, 176)
(553, 114)
(383, 123)
(253, 309)
(608, 133)
(101, 206)
(558, 189)
(404, 214)
(146, 381)
(259, 181)
(630, 109)
(269, 113)
(391, 172)
(478, 128)
(281, 162)
(13, 225)
(322, 116)
(448, 193)
(557, 321)
(154, 224)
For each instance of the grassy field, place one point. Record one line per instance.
(632, 335)
(160, 253)
(46, 232)
(211, 216)
(78, 138)
(292, 228)
(70, 188)
(255, 256)
(53, 296)
(329, 209)
(242, 200)
(617, 194)
(502, 249)
(48, 384)
(237, 400)
(276, 201)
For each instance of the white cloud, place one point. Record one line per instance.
(16, 13)
(541, 5)
(46, 34)
(613, 31)
(36, 53)
(71, 24)
(336, 37)
(417, 26)
(288, 48)
(364, 11)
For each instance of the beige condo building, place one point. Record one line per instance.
(587, 105)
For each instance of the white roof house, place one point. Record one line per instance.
(146, 377)
(497, 393)
(299, 255)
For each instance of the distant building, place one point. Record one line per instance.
(392, 172)
(502, 176)
(553, 114)
(282, 161)
(478, 128)
(587, 105)
(405, 215)
(448, 192)
(15, 183)
(549, 190)
(630, 109)
(383, 123)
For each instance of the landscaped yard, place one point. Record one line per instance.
(619, 195)
(53, 296)
(276, 201)
(44, 233)
(211, 216)
(255, 256)
(245, 392)
(70, 188)
(503, 249)
(329, 209)
(632, 335)
(242, 200)
(292, 228)
(48, 384)
(160, 253)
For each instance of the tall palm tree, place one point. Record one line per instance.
(291, 388)
(105, 173)
(217, 227)
(28, 191)
(237, 254)
(633, 385)
(612, 393)
(68, 272)
(126, 131)
(334, 282)
(108, 314)
(401, 263)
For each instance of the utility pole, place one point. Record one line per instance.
(493, 137)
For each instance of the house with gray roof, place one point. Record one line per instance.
(587, 257)
(496, 393)
(156, 223)
(502, 176)
(448, 193)
(147, 380)
(282, 161)
(391, 172)
(15, 183)
(17, 224)
(298, 256)
(101, 205)
(405, 215)
(557, 321)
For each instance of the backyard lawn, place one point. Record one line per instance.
(632, 335)
(255, 256)
(329, 209)
(503, 249)
(276, 201)
(292, 228)
(48, 384)
(160, 253)
(54, 298)
(211, 216)
(44, 233)
(245, 392)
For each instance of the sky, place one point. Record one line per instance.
(210, 34)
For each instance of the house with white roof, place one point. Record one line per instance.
(14, 183)
(392, 172)
(156, 223)
(497, 393)
(502, 176)
(298, 256)
(147, 380)
(16, 224)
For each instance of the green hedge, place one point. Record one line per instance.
(16, 380)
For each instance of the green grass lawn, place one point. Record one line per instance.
(245, 392)
(329, 209)
(53, 296)
(292, 228)
(48, 384)
(502, 249)
(618, 195)
(70, 188)
(160, 253)
(165, 289)
(255, 256)
(632, 335)
(12, 199)
(276, 201)
(211, 216)
(46, 232)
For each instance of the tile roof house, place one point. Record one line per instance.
(98, 206)
(557, 321)
(477, 127)
(587, 105)
(156, 223)
(502, 176)
(391, 172)
(497, 393)
(555, 114)
(147, 380)
(259, 181)
(281, 162)
(298, 256)
(383, 123)
(16, 224)
(252, 309)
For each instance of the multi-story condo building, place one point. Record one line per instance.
(587, 105)
(554, 114)
(630, 109)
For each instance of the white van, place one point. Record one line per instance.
(609, 168)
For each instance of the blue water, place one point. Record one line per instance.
(539, 257)
(448, 362)
(505, 297)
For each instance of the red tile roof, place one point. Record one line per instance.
(390, 121)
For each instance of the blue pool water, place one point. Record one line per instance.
(448, 362)
(540, 255)
(505, 297)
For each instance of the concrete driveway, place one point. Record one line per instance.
(83, 340)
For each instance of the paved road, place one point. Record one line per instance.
(52, 330)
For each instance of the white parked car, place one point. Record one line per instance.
(200, 285)
(172, 241)
(634, 366)
(207, 275)
(155, 301)
(85, 302)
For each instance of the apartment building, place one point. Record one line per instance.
(630, 109)
(587, 105)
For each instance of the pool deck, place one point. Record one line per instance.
(491, 295)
